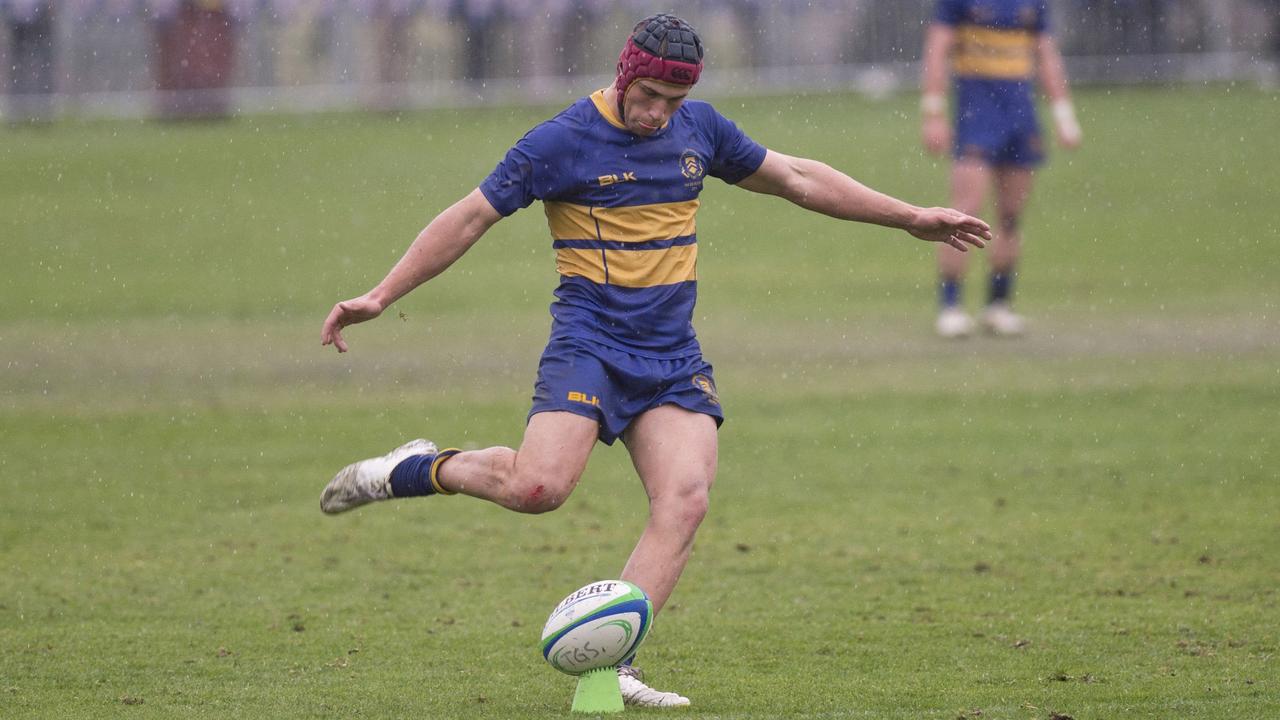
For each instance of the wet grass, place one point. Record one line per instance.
(1083, 523)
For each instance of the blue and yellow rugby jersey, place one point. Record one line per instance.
(995, 39)
(622, 209)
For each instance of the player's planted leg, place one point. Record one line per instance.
(674, 451)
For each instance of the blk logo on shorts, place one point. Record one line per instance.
(575, 396)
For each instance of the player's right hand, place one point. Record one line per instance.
(347, 312)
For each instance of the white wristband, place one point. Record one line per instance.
(1064, 116)
(933, 104)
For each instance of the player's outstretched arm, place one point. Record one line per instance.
(441, 243)
(818, 187)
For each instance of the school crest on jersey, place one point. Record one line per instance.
(691, 165)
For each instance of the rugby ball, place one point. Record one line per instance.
(596, 626)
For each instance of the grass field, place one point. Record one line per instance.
(1084, 522)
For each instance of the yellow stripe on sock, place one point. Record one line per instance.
(435, 469)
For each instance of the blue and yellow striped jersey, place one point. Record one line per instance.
(995, 39)
(622, 209)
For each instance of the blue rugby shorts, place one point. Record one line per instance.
(998, 124)
(614, 387)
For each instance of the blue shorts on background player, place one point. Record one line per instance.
(991, 52)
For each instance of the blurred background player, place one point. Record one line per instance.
(992, 50)
(619, 174)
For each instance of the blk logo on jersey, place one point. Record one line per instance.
(606, 180)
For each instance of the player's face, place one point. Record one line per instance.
(650, 104)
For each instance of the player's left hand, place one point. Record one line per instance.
(952, 227)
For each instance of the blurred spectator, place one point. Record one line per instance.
(1145, 25)
(195, 53)
(480, 20)
(31, 63)
(573, 23)
(304, 36)
(108, 49)
(392, 21)
(1274, 6)
(750, 14)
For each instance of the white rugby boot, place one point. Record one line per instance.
(954, 323)
(369, 480)
(999, 319)
(635, 692)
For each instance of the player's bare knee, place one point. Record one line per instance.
(685, 507)
(537, 491)
(695, 508)
(538, 499)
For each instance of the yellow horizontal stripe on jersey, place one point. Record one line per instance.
(630, 268)
(637, 223)
(996, 53)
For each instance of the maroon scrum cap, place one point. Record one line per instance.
(661, 47)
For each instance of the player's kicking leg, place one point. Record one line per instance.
(674, 451)
(537, 478)
(369, 480)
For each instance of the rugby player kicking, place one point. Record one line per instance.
(619, 173)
